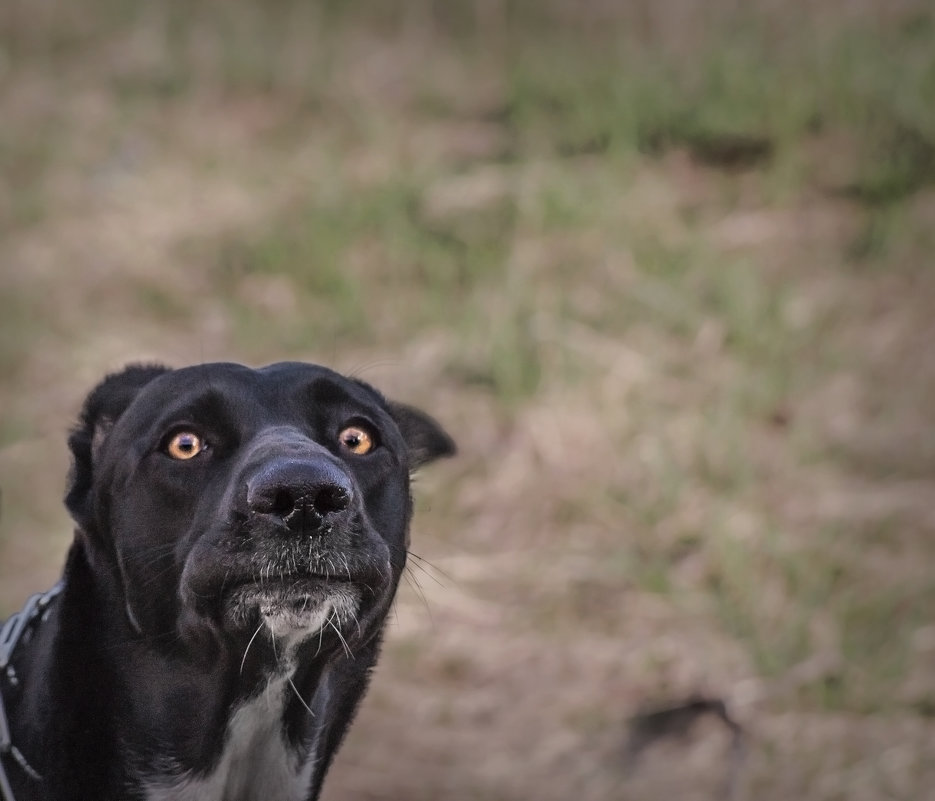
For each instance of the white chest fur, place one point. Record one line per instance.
(256, 765)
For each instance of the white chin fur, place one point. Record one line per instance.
(299, 618)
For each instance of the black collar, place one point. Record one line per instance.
(17, 626)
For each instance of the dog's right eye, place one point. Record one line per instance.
(185, 445)
(357, 440)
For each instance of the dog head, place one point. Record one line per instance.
(224, 498)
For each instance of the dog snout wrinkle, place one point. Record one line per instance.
(303, 493)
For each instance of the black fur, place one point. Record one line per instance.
(176, 564)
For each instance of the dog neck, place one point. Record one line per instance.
(256, 761)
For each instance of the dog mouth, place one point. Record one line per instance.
(285, 590)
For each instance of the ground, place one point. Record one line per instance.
(663, 271)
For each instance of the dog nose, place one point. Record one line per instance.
(304, 494)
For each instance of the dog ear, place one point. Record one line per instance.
(101, 410)
(424, 437)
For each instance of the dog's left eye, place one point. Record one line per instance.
(357, 440)
(185, 445)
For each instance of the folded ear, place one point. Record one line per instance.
(101, 410)
(424, 437)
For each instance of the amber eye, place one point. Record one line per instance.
(356, 440)
(185, 445)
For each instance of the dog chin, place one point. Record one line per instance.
(291, 611)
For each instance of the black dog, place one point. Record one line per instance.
(240, 536)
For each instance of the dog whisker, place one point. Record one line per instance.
(337, 631)
(424, 564)
(227, 575)
(162, 549)
(356, 619)
(321, 632)
(299, 696)
(244, 660)
(413, 582)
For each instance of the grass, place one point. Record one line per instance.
(663, 272)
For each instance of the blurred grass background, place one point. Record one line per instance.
(662, 268)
